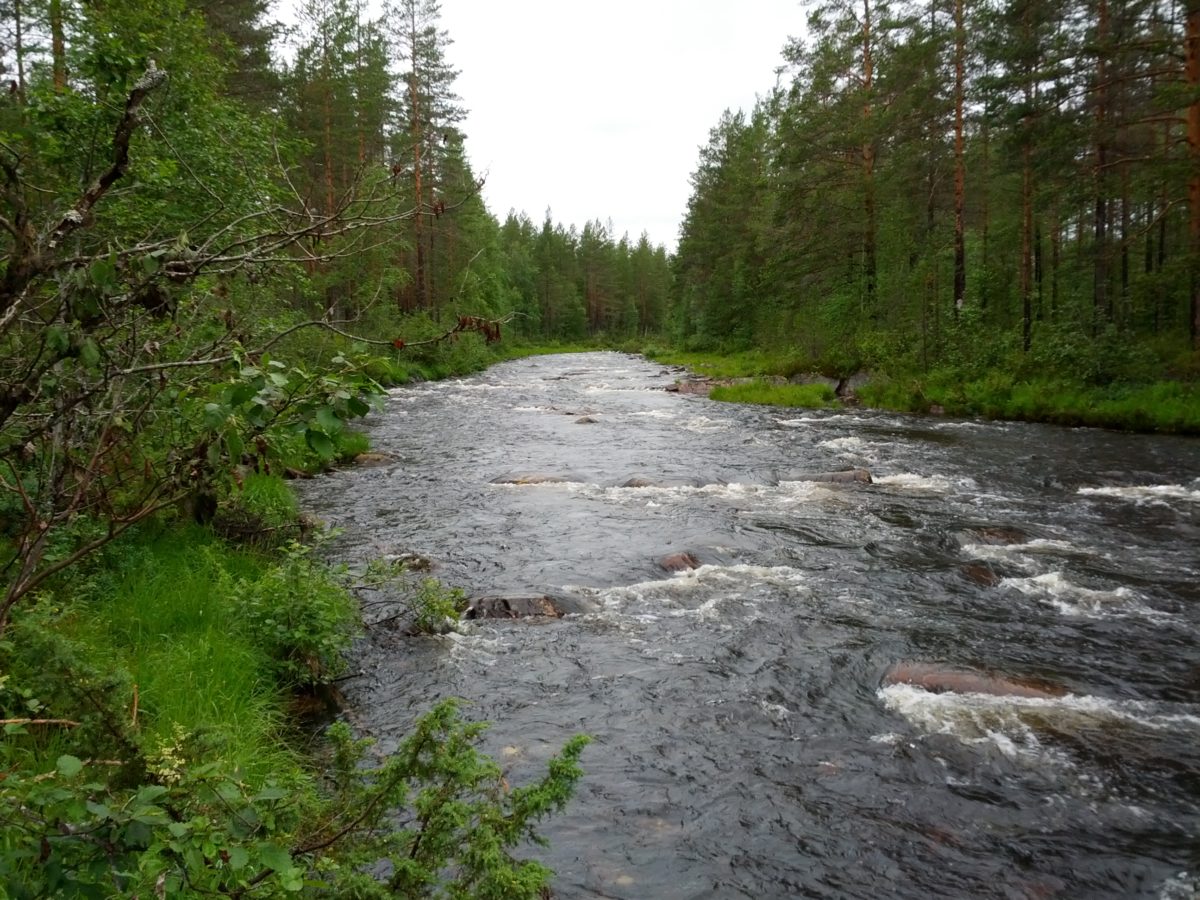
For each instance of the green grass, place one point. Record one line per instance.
(1166, 407)
(164, 611)
(812, 396)
(746, 364)
(268, 497)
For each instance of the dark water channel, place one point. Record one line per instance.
(746, 744)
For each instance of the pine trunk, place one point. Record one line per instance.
(58, 46)
(1101, 308)
(1193, 135)
(960, 178)
(868, 164)
(418, 190)
(1027, 244)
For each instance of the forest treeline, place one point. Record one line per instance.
(974, 184)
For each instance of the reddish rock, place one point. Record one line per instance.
(942, 679)
(999, 534)
(980, 574)
(679, 562)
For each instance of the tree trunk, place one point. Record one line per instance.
(1193, 135)
(960, 248)
(58, 47)
(1101, 307)
(1055, 257)
(415, 132)
(984, 206)
(1126, 240)
(1027, 242)
(19, 49)
(868, 163)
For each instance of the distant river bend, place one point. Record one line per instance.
(749, 740)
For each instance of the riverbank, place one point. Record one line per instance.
(1161, 407)
(158, 700)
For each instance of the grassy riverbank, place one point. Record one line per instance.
(155, 695)
(1157, 406)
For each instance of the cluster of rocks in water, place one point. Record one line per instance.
(932, 677)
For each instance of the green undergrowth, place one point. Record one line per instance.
(812, 396)
(1164, 406)
(743, 364)
(152, 746)
(1168, 407)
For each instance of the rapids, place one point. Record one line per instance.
(746, 744)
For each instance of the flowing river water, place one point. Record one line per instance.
(748, 742)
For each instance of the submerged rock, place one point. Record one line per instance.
(999, 534)
(538, 605)
(534, 478)
(980, 573)
(373, 459)
(585, 420)
(639, 481)
(679, 562)
(848, 476)
(941, 679)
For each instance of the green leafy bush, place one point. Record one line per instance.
(437, 809)
(298, 615)
(434, 607)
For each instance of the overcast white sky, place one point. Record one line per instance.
(597, 108)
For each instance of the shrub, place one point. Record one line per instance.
(434, 607)
(298, 615)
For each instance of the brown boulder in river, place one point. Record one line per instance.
(679, 562)
(981, 574)
(941, 679)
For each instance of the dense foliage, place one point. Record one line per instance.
(213, 254)
(972, 186)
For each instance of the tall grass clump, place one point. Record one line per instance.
(810, 396)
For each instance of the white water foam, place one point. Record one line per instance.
(1072, 599)
(939, 484)
(1182, 886)
(675, 596)
(846, 443)
(787, 492)
(655, 414)
(704, 423)
(1023, 554)
(1145, 493)
(801, 422)
(1013, 724)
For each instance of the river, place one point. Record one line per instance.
(748, 742)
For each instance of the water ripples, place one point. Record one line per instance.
(747, 740)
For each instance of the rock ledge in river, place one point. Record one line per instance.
(940, 679)
(849, 476)
(537, 605)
